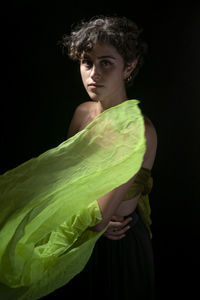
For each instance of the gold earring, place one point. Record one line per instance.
(128, 79)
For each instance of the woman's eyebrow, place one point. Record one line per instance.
(106, 56)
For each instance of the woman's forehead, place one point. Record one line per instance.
(102, 50)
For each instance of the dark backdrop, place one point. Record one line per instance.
(41, 89)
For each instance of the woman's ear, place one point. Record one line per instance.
(129, 68)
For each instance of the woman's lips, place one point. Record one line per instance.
(94, 85)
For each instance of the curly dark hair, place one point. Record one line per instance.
(120, 32)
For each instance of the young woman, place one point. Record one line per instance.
(111, 52)
(55, 207)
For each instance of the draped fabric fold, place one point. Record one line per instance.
(48, 202)
(143, 184)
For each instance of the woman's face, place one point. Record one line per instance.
(103, 73)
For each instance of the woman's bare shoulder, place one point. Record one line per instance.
(81, 113)
(85, 107)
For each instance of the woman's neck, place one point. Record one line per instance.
(104, 104)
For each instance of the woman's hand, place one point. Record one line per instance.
(117, 228)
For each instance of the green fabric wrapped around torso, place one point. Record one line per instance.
(48, 202)
(143, 184)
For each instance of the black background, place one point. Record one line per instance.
(41, 89)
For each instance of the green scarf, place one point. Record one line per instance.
(48, 202)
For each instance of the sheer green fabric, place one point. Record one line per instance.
(48, 202)
(143, 184)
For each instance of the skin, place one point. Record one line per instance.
(104, 68)
(103, 73)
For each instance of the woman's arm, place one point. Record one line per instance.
(110, 202)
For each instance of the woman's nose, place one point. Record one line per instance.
(95, 73)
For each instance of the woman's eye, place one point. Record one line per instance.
(87, 63)
(106, 63)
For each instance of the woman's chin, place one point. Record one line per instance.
(94, 97)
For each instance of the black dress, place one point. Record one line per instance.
(122, 269)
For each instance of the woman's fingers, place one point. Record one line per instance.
(126, 221)
(117, 226)
(115, 238)
(116, 230)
